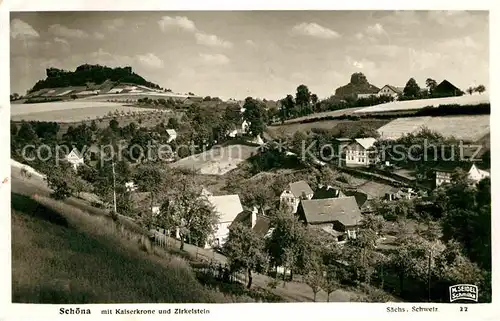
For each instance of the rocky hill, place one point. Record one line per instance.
(358, 85)
(89, 76)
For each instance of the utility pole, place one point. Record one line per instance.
(114, 188)
(429, 277)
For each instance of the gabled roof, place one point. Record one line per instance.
(171, 132)
(262, 224)
(366, 142)
(398, 90)
(452, 166)
(446, 86)
(360, 197)
(76, 152)
(327, 192)
(344, 209)
(300, 187)
(228, 206)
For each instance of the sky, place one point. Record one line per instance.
(263, 54)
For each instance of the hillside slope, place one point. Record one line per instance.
(61, 254)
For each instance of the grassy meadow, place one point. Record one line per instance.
(62, 255)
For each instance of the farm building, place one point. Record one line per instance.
(446, 89)
(360, 152)
(172, 135)
(75, 158)
(228, 207)
(339, 217)
(294, 193)
(260, 224)
(444, 173)
(389, 90)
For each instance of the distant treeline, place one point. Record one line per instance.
(85, 74)
(41, 100)
(442, 110)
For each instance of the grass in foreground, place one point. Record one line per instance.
(60, 254)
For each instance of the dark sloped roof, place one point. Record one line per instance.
(360, 197)
(344, 209)
(452, 166)
(299, 187)
(262, 224)
(243, 217)
(327, 192)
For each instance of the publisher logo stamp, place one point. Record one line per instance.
(463, 292)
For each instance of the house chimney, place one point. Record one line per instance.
(254, 216)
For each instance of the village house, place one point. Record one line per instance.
(294, 193)
(327, 191)
(260, 224)
(172, 135)
(400, 193)
(360, 152)
(446, 89)
(228, 207)
(130, 186)
(443, 174)
(392, 91)
(339, 217)
(75, 158)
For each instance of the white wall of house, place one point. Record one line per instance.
(74, 160)
(476, 174)
(387, 91)
(289, 199)
(356, 155)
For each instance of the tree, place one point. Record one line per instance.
(373, 222)
(480, 89)
(314, 274)
(78, 184)
(114, 125)
(173, 123)
(57, 179)
(245, 250)
(288, 242)
(431, 84)
(331, 279)
(185, 208)
(470, 90)
(287, 107)
(150, 178)
(303, 100)
(411, 90)
(255, 114)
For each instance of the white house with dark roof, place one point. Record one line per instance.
(172, 135)
(389, 90)
(228, 207)
(444, 174)
(295, 191)
(360, 152)
(340, 217)
(75, 158)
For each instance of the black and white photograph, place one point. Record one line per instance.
(337, 156)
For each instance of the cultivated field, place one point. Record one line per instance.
(136, 96)
(218, 160)
(421, 103)
(290, 129)
(73, 111)
(468, 128)
(333, 113)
